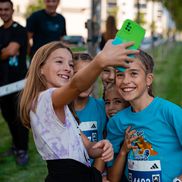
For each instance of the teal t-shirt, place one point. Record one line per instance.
(93, 119)
(159, 144)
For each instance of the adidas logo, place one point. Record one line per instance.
(154, 166)
(93, 126)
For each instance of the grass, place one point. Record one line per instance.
(35, 171)
(167, 84)
(168, 72)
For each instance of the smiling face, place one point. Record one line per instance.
(133, 84)
(6, 11)
(113, 101)
(51, 6)
(58, 68)
(108, 76)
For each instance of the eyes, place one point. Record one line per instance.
(106, 71)
(132, 74)
(115, 102)
(61, 62)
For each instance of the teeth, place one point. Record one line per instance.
(127, 89)
(65, 76)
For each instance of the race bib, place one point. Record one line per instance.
(144, 171)
(89, 128)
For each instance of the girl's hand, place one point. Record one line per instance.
(104, 179)
(107, 150)
(180, 177)
(129, 138)
(116, 55)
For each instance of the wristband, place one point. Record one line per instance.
(104, 173)
(176, 180)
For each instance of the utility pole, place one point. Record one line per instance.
(93, 26)
(138, 11)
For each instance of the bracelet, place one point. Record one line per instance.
(104, 173)
(176, 180)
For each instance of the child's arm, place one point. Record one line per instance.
(99, 164)
(111, 55)
(101, 149)
(116, 171)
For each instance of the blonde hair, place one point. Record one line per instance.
(35, 82)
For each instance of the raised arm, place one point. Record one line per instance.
(111, 55)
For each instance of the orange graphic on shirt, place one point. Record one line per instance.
(143, 145)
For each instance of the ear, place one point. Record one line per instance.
(149, 79)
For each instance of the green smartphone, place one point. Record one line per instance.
(130, 31)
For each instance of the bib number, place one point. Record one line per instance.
(144, 171)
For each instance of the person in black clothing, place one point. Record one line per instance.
(13, 46)
(45, 25)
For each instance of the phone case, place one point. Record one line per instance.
(130, 31)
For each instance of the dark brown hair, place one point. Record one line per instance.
(148, 63)
(7, 1)
(111, 29)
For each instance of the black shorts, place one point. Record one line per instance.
(69, 170)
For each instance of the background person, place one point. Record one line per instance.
(13, 46)
(45, 25)
(110, 31)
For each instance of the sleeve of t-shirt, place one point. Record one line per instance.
(115, 135)
(31, 23)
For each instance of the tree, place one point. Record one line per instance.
(34, 7)
(175, 8)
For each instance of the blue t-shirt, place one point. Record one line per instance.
(160, 139)
(93, 119)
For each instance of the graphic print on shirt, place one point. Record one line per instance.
(140, 167)
(145, 149)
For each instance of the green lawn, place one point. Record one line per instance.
(35, 171)
(168, 72)
(168, 84)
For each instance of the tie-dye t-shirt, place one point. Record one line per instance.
(53, 139)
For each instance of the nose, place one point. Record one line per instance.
(126, 79)
(111, 75)
(110, 106)
(68, 68)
